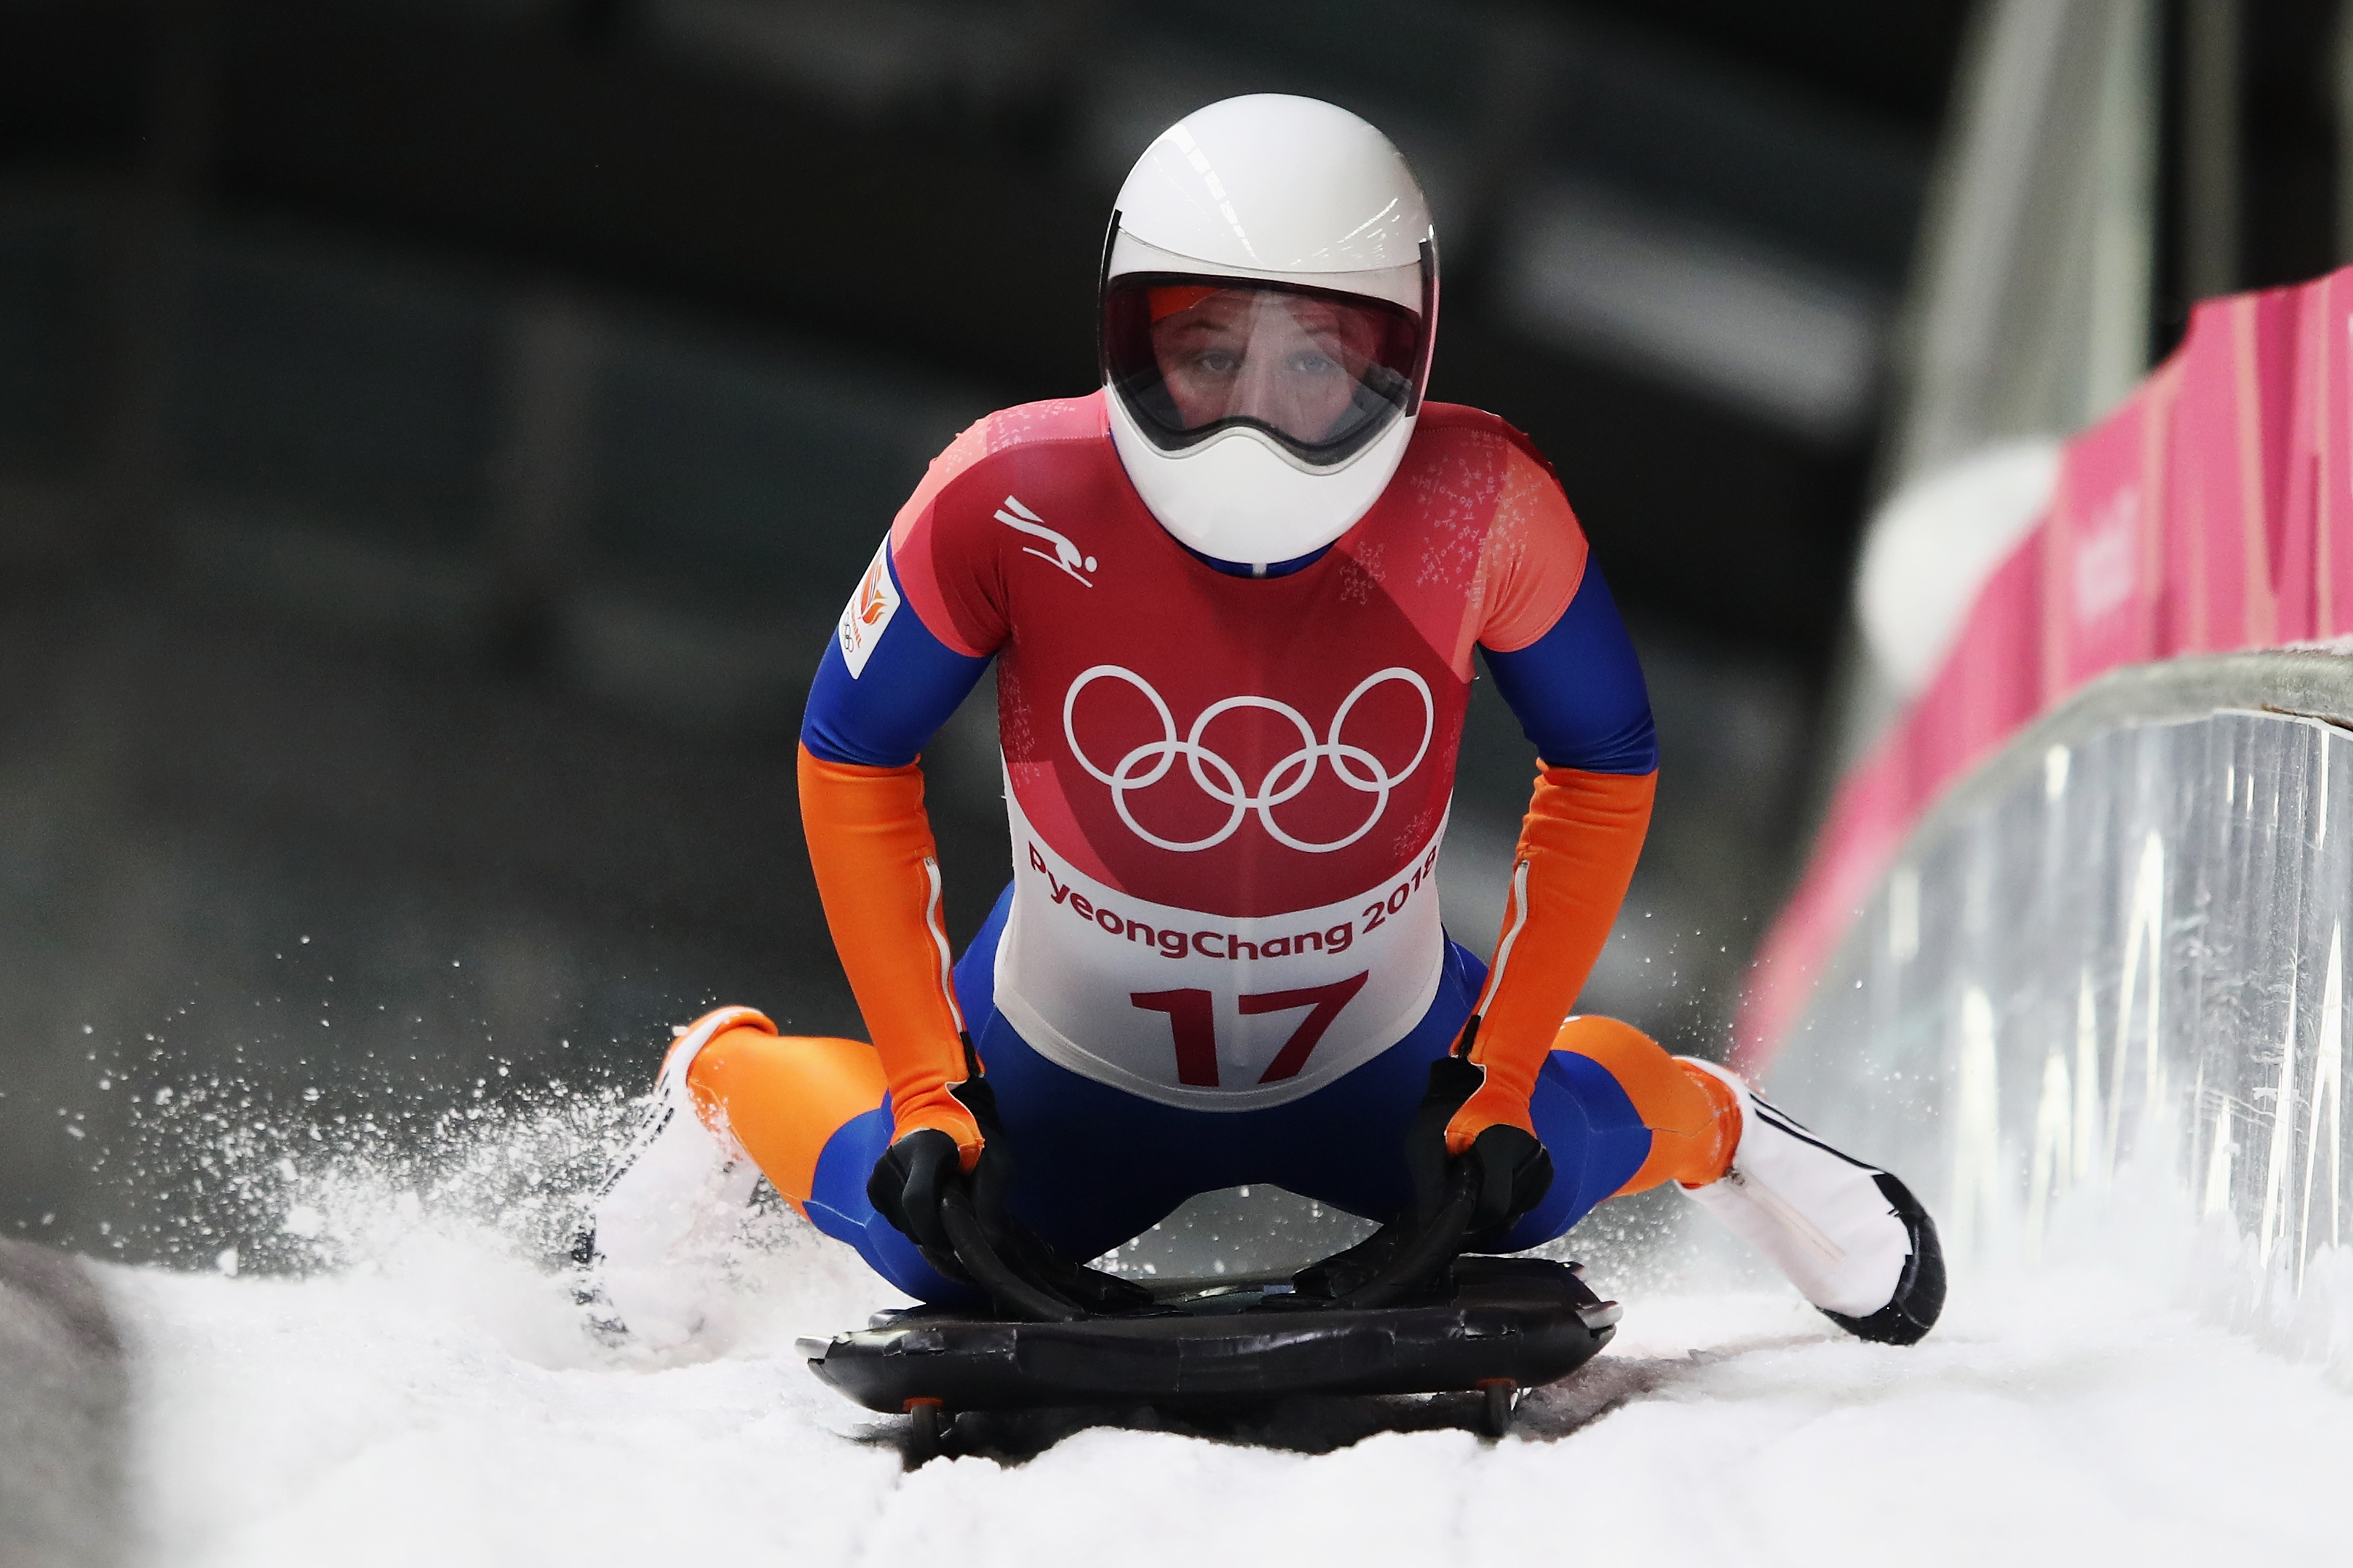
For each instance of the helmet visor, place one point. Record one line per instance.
(1322, 372)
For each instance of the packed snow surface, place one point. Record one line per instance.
(432, 1399)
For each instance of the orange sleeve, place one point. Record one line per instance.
(1577, 852)
(877, 873)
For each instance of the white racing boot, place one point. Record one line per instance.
(1851, 1237)
(676, 1192)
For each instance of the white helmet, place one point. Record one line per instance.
(1270, 287)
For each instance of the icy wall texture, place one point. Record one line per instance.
(2125, 936)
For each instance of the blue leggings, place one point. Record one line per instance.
(1095, 1167)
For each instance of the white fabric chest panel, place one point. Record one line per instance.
(1206, 1011)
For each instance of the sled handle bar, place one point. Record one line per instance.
(1428, 1250)
(1013, 1292)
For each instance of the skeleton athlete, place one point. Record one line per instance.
(1234, 599)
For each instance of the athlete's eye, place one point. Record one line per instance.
(1218, 362)
(1310, 362)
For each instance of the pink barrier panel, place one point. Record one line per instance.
(2212, 509)
(2323, 458)
(2226, 521)
(2104, 545)
(1989, 688)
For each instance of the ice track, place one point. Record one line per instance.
(437, 1404)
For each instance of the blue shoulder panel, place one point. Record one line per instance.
(887, 712)
(1578, 690)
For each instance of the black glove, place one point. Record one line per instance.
(1457, 1200)
(908, 1181)
(917, 1173)
(913, 1174)
(1511, 1168)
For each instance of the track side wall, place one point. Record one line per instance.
(2123, 938)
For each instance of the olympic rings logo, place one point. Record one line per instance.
(1148, 763)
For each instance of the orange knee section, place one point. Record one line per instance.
(1695, 1121)
(782, 1096)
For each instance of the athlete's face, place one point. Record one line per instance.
(1290, 361)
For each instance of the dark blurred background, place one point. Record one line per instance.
(436, 436)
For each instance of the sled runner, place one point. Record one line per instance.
(1510, 1324)
(1408, 1324)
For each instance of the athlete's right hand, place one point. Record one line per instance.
(908, 1182)
(1020, 1271)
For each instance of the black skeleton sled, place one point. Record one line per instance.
(1403, 1312)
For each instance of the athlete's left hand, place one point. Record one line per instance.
(1463, 1121)
(1508, 1173)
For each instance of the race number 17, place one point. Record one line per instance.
(1194, 1026)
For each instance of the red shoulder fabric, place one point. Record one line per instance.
(1492, 553)
(1534, 558)
(946, 542)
